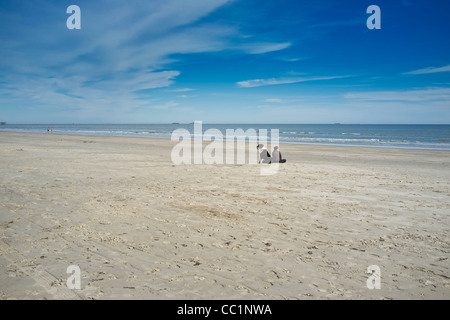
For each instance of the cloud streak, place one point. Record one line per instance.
(427, 94)
(259, 48)
(430, 70)
(277, 81)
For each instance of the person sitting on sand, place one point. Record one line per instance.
(276, 156)
(264, 155)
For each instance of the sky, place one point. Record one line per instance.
(225, 61)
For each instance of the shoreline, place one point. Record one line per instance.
(140, 227)
(206, 141)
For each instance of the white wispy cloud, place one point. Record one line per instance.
(165, 106)
(274, 100)
(180, 90)
(430, 70)
(101, 68)
(259, 48)
(278, 81)
(284, 100)
(105, 65)
(417, 95)
(292, 59)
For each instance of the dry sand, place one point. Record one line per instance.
(141, 228)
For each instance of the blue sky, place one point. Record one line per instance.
(219, 61)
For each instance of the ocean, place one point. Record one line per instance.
(436, 137)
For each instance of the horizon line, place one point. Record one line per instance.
(224, 123)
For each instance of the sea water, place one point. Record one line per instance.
(374, 135)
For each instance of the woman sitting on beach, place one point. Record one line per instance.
(276, 156)
(264, 155)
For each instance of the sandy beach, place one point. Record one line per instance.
(140, 227)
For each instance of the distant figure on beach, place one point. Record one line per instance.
(48, 130)
(276, 156)
(52, 130)
(264, 155)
